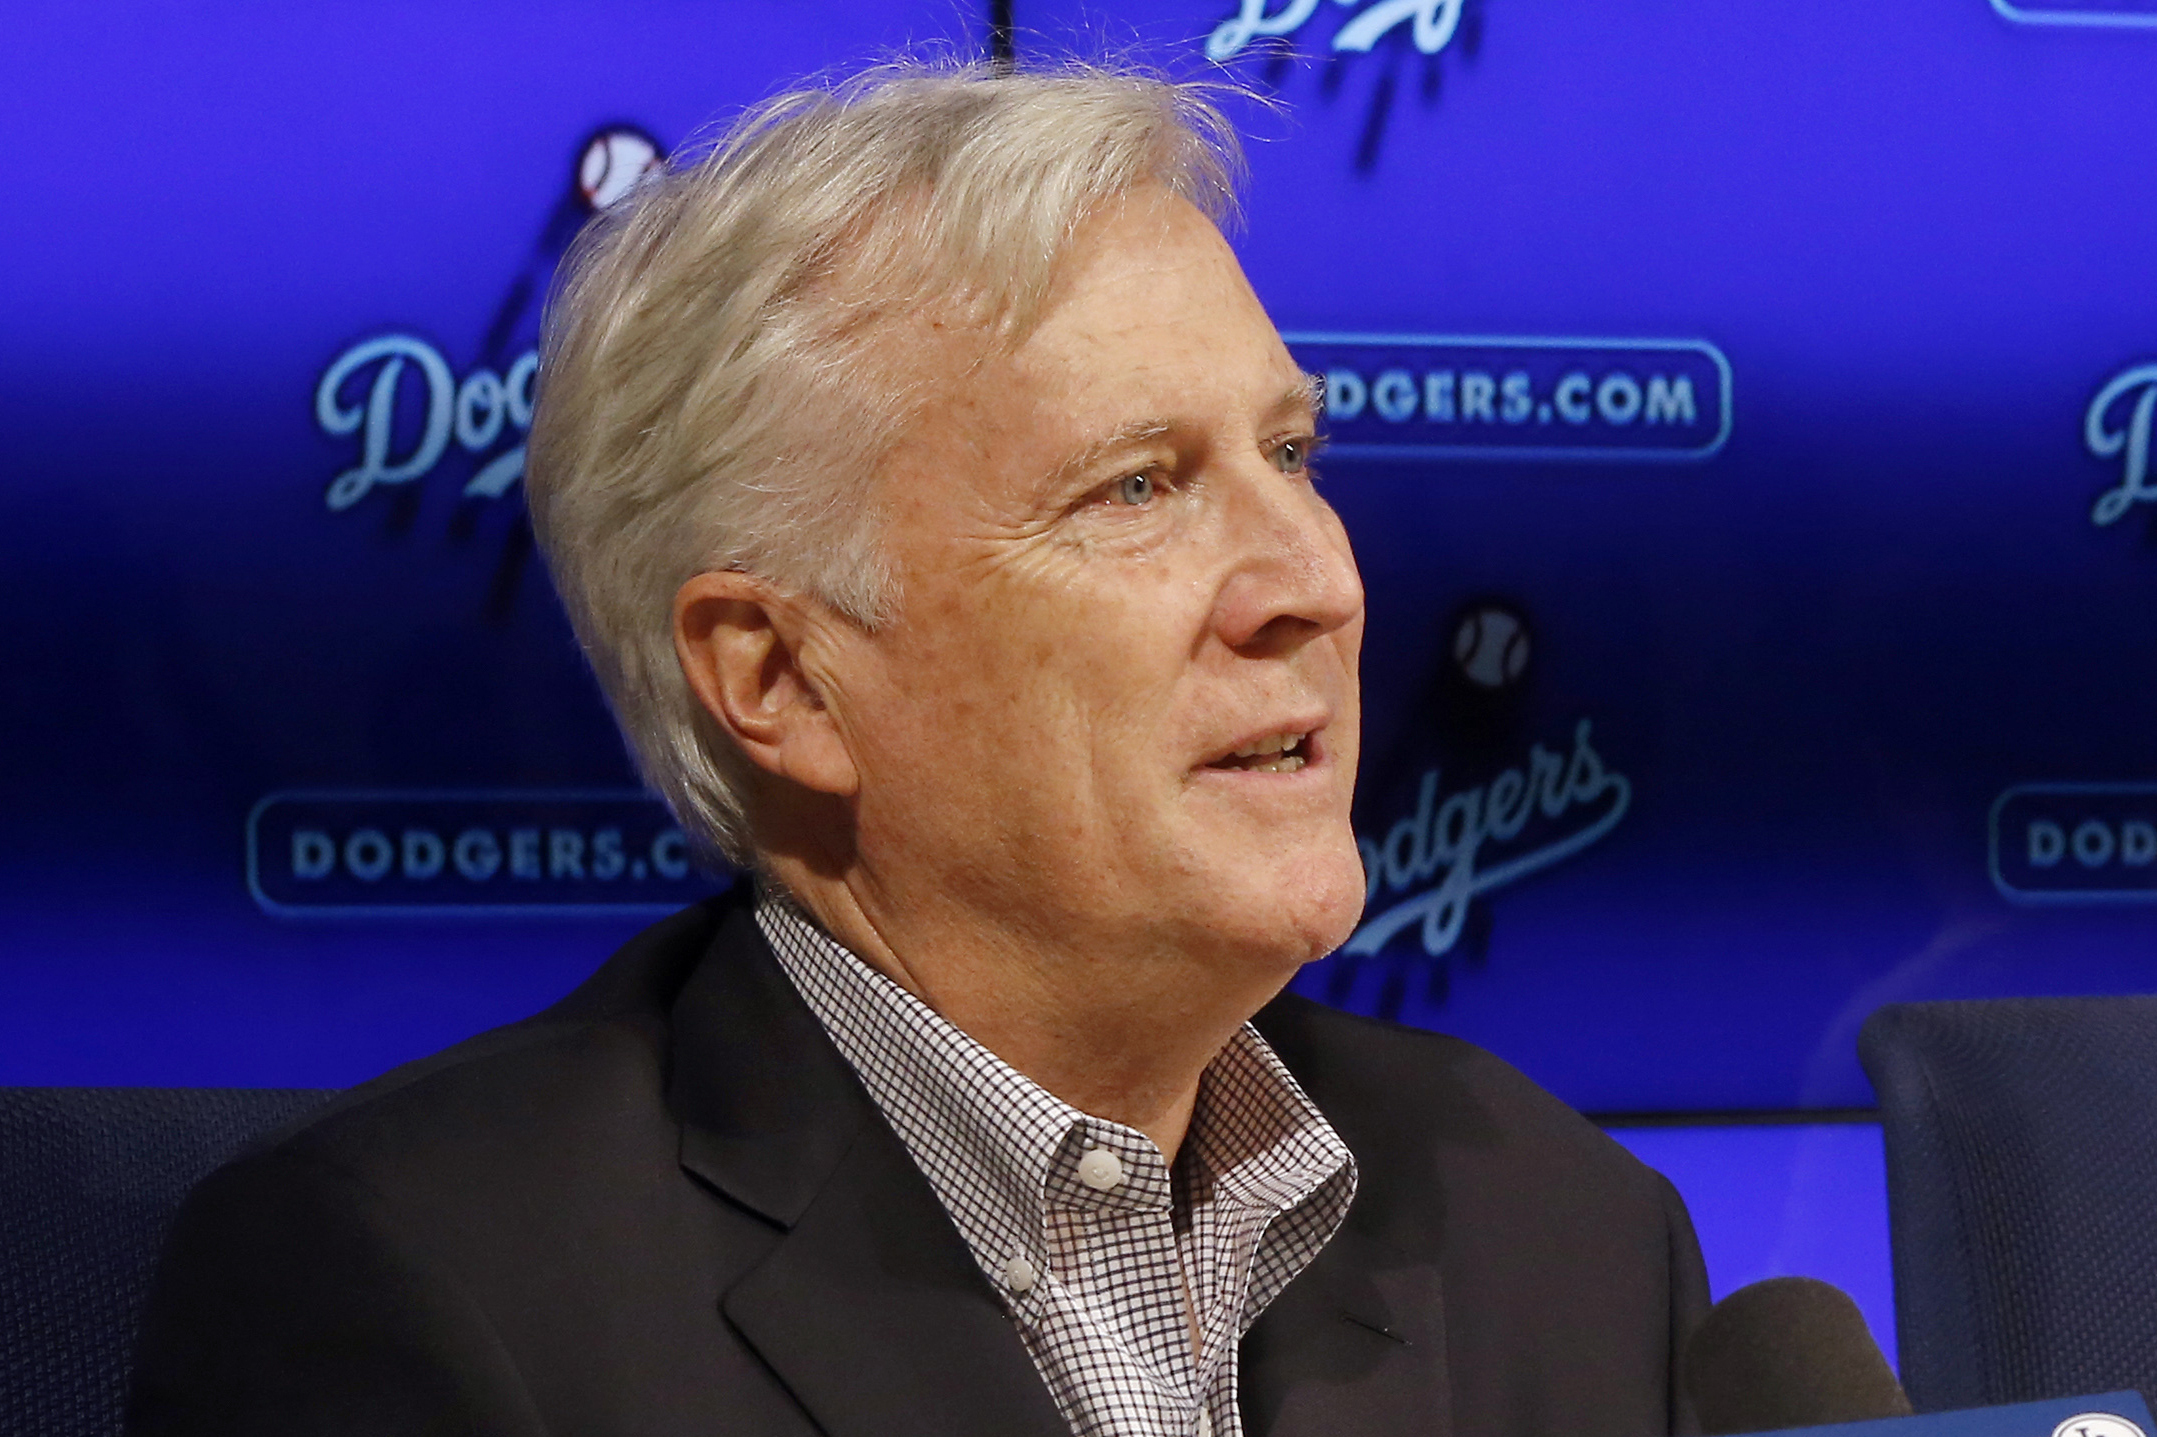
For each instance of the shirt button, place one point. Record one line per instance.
(1020, 1276)
(1100, 1170)
(1205, 1423)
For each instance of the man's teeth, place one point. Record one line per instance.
(1274, 754)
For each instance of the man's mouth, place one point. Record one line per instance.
(1276, 753)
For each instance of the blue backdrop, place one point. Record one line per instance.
(1745, 410)
(1741, 413)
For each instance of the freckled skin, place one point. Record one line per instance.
(1007, 796)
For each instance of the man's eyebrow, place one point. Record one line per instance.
(1138, 431)
(1308, 396)
(1304, 397)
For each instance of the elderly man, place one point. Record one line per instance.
(933, 498)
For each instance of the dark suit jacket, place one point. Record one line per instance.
(666, 1206)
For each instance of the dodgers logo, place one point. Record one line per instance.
(2117, 427)
(1470, 397)
(1430, 24)
(1456, 846)
(1271, 41)
(1466, 803)
(2075, 843)
(2096, 14)
(478, 409)
(395, 397)
(379, 853)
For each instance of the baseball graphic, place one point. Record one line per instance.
(614, 160)
(2097, 1424)
(1491, 647)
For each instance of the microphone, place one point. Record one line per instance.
(1791, 1352)
(1788, 1352)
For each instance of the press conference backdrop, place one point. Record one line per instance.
(1741, 413)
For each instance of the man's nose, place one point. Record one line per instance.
(1293, 575)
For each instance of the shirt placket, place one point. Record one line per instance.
(1109, 1194)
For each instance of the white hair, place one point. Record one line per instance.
(711, 393)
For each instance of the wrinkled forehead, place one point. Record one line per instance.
(941, 341)
(896, 272)
(1148, 329)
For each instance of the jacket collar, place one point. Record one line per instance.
(868, 1307)
(767, 1107)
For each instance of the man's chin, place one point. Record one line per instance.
(1332, 922)
(1291, 911)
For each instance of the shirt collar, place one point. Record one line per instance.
(1000, 1150)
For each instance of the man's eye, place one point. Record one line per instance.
(1134, 489)
(1292, 455)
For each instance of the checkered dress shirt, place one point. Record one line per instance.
(1092, 1239)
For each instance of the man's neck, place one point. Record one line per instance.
(1116, 1038)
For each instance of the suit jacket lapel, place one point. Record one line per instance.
(877, 1318)
(869, 1306)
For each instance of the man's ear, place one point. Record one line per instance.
(740, 642)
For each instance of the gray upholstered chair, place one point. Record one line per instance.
(89, 1181)
(2022, 1195)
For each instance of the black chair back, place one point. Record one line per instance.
(89, 1181)
(2022, 1195)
